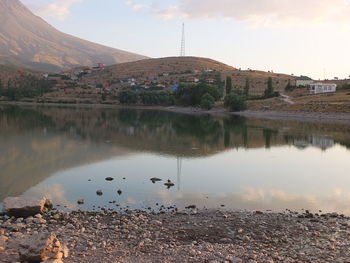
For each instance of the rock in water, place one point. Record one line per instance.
(109, 179)
(41, 247)
(155, 179)
(169, 184)
(25, 207)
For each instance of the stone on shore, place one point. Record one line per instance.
(42, 247)
(25, 207)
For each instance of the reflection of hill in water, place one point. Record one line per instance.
(36, 143)
(32, 150)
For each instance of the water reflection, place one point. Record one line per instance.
(53, 151)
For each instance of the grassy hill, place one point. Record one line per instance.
(148, 68)
(258, 80)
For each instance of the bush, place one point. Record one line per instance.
(207, 101)
(156, 98)
(236, 101)
(191, 94)
(146, 97)
(269, 91)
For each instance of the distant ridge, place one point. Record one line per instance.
(27, 40)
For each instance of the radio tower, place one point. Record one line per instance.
(183, 53)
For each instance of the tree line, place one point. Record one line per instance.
(25, 86)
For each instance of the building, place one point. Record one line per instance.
(210, 81)
(192, 79)
(304, 82)
(322, 87)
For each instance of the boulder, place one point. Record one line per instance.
(25, 207)
(41, 247)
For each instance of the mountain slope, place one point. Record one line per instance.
(27, 40)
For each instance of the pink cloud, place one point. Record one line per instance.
(262, 12)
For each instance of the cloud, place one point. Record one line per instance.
(57, 9)
(252, 198)
(262, 12)
(134, 6)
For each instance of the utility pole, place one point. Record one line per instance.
(183, 50)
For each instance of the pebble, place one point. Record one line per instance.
(204, 237)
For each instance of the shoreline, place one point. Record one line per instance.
(213, 236)
(309, 117)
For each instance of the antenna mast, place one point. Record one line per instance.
(183, 53)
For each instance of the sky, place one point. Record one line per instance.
(300, 37)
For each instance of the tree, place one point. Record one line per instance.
(289, 86)
(207, 101)
(236, 101)
(191, 94)
(246, 87)
(269, 92)
(228, 85)
(128, 97)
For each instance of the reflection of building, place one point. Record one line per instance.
(322, 142)
(319, 141)
(300, 143)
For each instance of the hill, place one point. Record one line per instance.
(258, 80)
(27, 40)
(172, 67)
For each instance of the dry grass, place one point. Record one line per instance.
(333, 102)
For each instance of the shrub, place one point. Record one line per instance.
(236, 101)
(269, 91)
(191, 94)
(207, 101)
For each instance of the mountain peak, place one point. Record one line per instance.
(27, 40)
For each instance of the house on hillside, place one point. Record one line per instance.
(192, 80)
(210, 81)
(303, 81)
(322, 87)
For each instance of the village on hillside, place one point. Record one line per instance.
(104, 84)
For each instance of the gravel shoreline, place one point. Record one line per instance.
(187, 236)
(311, 117)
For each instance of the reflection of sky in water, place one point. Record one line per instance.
(276, 178)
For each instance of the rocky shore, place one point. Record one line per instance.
(183, 236)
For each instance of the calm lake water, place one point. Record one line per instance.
(66, 154)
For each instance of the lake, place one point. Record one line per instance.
(66, 153)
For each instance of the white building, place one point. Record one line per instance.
(304, 82)
(322, 87)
